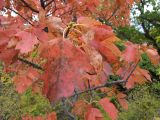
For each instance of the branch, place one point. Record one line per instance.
(27, 5)
(34, 65)
(20, 16)
(107, 84)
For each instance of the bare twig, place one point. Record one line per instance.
(31, 8)
(20, 16)
(134, 67)
(114, 12)
(34, 65)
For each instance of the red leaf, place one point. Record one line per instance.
(24, 80)
(102, 32)
(4, 39)
(64, 72)
(2, 3)
(139, 76)
(41, 35)
(109, 108)
(22, 83)
(27, 42)
(131, 53)
(107, 69)
(153, 55)
(93, 114)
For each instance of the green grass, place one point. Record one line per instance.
(143, 103)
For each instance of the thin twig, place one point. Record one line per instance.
(27, 5)
(20, 16)
(114, 12)
(134, 67)
(34, 65)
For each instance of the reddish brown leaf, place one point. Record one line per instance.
(93, 114)
(80, 108)
(109, 108)
(122, 100)
(8, 55)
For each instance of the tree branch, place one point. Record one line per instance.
(107, 84)
(146, 31)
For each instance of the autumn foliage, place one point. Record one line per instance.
(63, 45)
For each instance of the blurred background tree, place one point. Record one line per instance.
(145, 24)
